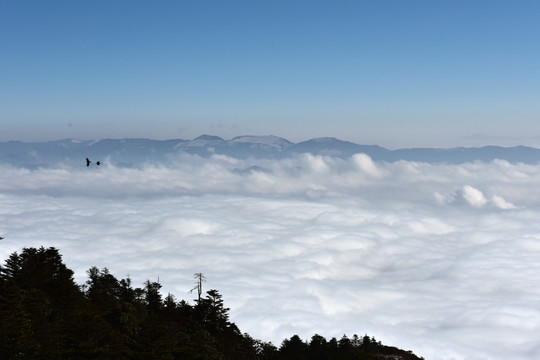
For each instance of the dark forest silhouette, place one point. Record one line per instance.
(44, 314)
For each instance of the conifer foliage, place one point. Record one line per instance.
(44, 314)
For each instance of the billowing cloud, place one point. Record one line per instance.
(439, 259)
(499, 202)
(473, 196)
(365, 164)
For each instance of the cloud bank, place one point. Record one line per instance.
(439, 259)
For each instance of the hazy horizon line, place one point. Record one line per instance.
(391, 148)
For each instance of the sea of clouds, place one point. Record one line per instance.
(443, 260)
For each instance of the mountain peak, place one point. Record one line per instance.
(208, 138)
(269, 140)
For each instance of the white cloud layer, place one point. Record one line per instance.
(438, 259)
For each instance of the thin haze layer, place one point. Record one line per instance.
(439, 259)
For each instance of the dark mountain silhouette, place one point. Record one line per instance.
(137, 152)
(335, 147)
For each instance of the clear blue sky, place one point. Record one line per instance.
(395, 73)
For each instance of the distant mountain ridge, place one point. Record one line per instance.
(135, 151)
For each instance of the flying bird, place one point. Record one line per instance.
(88, 162)
(1, 238)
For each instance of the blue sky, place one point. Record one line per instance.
(394, 73)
